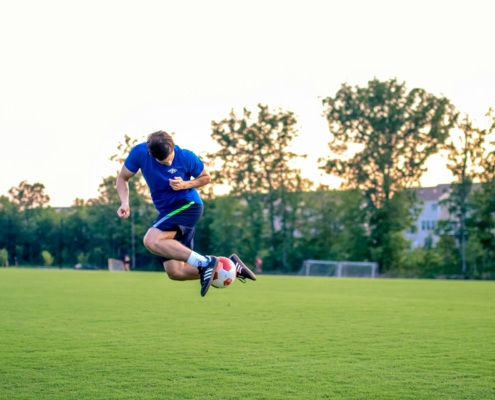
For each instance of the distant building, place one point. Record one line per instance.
(432, 211)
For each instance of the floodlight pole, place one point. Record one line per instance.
(61, 242)
(133, 243)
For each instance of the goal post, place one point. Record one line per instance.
(339, 269)
(115, 265)
(319, 268)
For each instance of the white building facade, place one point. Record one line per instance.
(429, 199)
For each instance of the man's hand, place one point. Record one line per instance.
(177, 183)
(124, 211)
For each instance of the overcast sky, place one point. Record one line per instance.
(76, 76)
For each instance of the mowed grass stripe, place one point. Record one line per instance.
(100, 335)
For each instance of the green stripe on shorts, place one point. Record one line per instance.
(171, 214)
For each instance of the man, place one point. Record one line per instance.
(168, 170)
(258, 263)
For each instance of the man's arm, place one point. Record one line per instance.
(201, 180)
(123, 189)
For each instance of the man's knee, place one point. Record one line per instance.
(153, 236)
(149, 240)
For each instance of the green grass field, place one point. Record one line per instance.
(99, 335)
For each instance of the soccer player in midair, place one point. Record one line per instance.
(168, 171)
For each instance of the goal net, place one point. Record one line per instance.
(351, 269)
(115, 265)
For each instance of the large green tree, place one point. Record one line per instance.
(254, 159)
(467, 154)
(30, 198)
(11, 228)
(382, 135)
(480, 221)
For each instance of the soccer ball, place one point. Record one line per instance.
(224, 274)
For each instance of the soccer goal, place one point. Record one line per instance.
(115, 265)
(351, 269)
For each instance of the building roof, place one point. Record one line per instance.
(432, 193)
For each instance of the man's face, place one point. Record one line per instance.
(168, 160)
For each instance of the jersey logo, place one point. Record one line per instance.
(172, 171)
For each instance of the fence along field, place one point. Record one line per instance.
(94, 334)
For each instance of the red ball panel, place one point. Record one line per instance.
(226, 263)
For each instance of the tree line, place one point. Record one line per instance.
(273, 213)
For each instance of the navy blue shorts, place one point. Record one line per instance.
(182, 219)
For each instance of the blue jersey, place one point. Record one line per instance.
(186, 164)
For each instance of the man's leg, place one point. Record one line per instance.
(163, 243)
(180, 271)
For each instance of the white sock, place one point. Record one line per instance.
(197, 260)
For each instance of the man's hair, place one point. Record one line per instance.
(160, 145)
